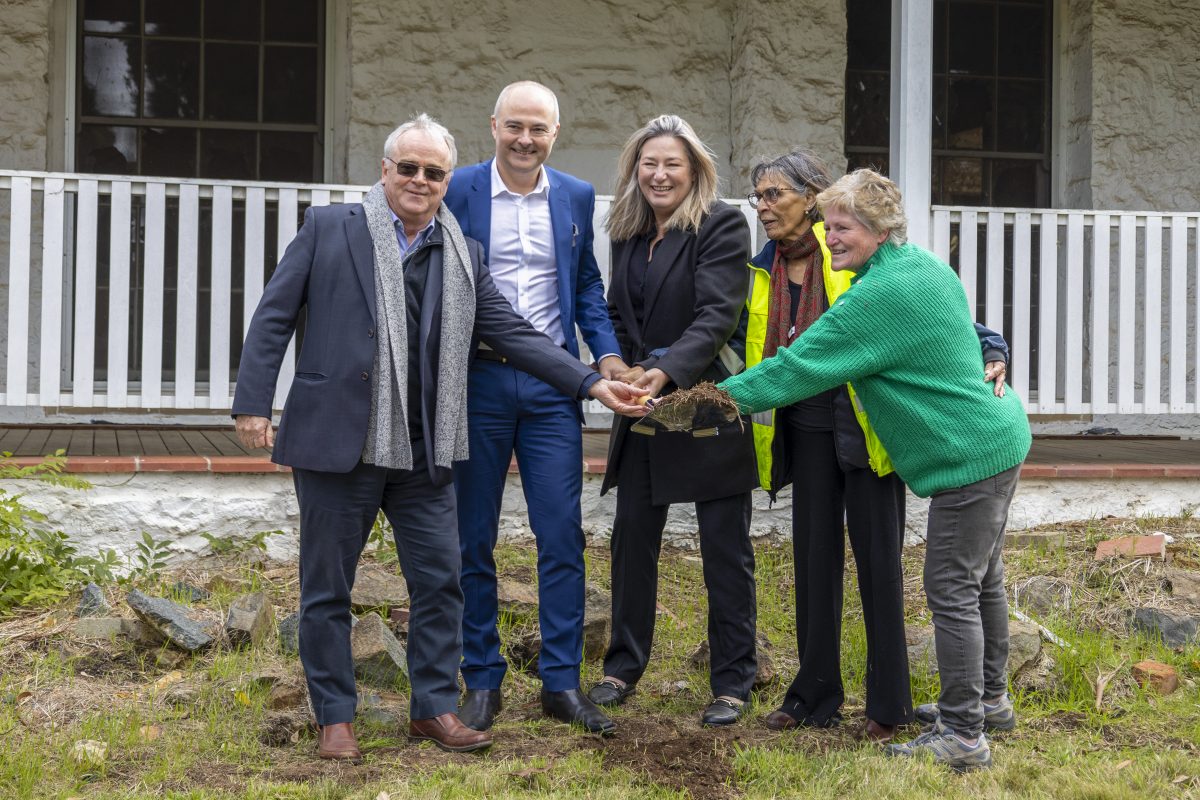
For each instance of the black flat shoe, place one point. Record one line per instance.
(573, 707)
(479, 708)
(721, 712)
(607, 693)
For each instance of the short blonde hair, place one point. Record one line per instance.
(873, 199)
(630, 214)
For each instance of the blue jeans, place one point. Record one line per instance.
(964, 585)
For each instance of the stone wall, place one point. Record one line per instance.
(1072, 109)
(1146, 104)
(24, 83)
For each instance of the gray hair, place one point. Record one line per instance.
(873, 199)
(512, 87)
(422, 122)
(803, 170)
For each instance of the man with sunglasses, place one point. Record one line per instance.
(535, 224)
(393, 294)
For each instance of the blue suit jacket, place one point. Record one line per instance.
(580, 287)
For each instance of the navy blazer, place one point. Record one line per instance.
(329, 271)
(580, 285)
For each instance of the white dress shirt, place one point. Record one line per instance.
(521, 255)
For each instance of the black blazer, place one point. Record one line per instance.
(329, 271)
(692, 304)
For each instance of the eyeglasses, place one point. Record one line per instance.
(409, 170)
(770, 196)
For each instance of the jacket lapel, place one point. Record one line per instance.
(362, 253)
(666, 257)
(620, 292)
(565, 232)
(479, 207)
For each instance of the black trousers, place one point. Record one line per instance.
(728, 560)
(873, 508)
(336, 514)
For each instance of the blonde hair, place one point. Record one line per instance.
(630, 214)
(873, 199)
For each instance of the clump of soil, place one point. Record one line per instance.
(701, 406)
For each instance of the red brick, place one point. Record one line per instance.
(1038, 471)
(241, 464)
(1152, 546)
(512, 467)
(172, 464)
(98, 464)
(595, 465)
(1161, 678)
(1138, 470)
(1182, 471)
(1084, 471)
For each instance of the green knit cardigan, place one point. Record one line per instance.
(904, 336)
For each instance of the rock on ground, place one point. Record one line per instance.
(93, 603)
(379, 657)
(249, 620)
(170, 620)
(377, 587)
(1175, 630)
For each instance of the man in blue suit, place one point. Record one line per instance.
(535, 224)
(395, 297)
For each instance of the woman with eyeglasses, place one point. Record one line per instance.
(825, 447)
(676, 296)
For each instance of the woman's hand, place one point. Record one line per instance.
(994, 372)
(620, 397)
(631, 375)
(653, 381)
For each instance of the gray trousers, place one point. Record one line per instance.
(964, 584)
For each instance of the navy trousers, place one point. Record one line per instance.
(511, 411)
(337, 511)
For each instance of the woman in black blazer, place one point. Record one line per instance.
(678, 285)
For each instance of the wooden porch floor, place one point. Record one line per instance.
(175, 441)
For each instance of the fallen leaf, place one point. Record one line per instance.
(1124, 763)
(171, 678)
(242, 697)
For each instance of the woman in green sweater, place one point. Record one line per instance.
(903, 336)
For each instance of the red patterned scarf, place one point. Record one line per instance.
(781, 329)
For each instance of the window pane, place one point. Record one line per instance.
(232, 19)
(227, 154)
(867, 111)
(110, 16)
(1022, 30)
(963, 181)
(939, 37)
(110, 69)
(172, 18)
(939, 112)
(169, 151)
(291, 21)
(172, 80)
(288, 157)
(290, 84)
(875, 161)
(1019, 112)
(1015, 183)
(970, 123)
(106, 150)
(971, 38)
(231, 82)
(868, 34)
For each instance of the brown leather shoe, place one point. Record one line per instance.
(448, 733)
(337, 742)
(780, 720)
(877, 732)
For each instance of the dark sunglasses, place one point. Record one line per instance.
(410, 170)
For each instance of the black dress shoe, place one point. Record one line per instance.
(574, 707)
(479, 708)
(607, 693)
(721, 712)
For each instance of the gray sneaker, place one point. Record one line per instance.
(940, 744)
(1000, 717)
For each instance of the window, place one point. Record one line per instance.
(223, 89)
(991, 98)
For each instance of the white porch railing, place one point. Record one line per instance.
(134, 293)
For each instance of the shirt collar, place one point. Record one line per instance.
(498, 187)
(427, 229)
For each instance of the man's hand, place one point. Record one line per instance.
(994, 372)
(653, 381)
(620, 397)
(612, 368)
(254, 432)
(631, 374)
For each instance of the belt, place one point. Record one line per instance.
(490, 355)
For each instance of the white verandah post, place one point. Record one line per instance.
(911, 139)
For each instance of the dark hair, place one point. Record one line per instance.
(800, 168)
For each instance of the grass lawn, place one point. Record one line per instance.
(201, 728)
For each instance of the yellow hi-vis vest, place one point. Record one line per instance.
(758, 302)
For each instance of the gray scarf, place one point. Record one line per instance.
(388, 443)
